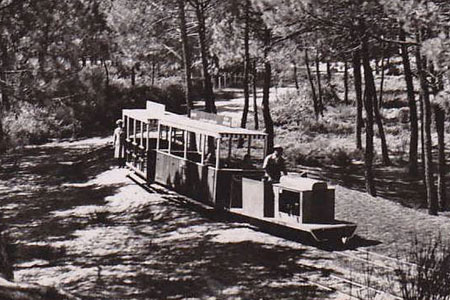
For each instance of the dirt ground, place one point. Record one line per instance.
(76, 221)
(79, 223)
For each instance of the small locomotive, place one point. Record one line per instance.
(205, 159)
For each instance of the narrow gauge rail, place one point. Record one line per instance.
(356, 285)
(380, 265)
(221, 166)
(378, 269)
(386, 258)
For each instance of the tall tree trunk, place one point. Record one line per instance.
(5, 104)
(255, 105)
(328, 72)
(439, 114)
(154, 69)
(133, 76)
(186, 56)
(105, 66)
(369, 80)
(268, 122)
(297, 86)
(356, 60)
(413, 119)
(246, 65)
(319, 86)
(425, 96)
(380, 98)
(311, 82)
(368, 101)
(422, 147)
(2, 132)
(201, 28)
(379, 121)
(5, 66)
(346, 82)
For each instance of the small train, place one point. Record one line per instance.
(219, 166)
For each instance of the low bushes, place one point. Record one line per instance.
(291, 108)
(28, 124)
(82, 105)
(310, 141)
(323, 156)
(429, 276)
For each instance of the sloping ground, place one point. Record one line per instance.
(392, 182)
(81, 225)
(390, 227)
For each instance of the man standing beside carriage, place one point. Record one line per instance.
(274, 165)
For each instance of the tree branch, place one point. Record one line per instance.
(171, 50)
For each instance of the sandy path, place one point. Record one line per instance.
(81, 224)
(86, 227)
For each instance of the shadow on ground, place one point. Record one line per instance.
(163, 249)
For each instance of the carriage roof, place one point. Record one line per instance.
(145, 115)
(208, 127)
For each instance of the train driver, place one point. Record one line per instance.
(274, 165)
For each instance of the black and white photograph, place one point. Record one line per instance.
(224, 149)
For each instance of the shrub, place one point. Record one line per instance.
(315, 155)
(429, 276)
(313, 127)
(330, 96)
(292, 108)
(299, 157)
(340, 157)
(91, 107)
(34, 125)
(98, 107)
(174, 98)
(393, 69)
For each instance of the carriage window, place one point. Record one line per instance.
(130, 127)
(137, 132)
(164, 138)
(177, 142)
(237, 153)
(177, 139)
(144, 135)
(193, 146)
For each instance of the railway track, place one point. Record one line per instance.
(378, 259)
(357, 274)
(362, 275)
(347, 288)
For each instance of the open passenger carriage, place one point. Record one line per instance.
(221, 166)
(141, 131)
(202, 160)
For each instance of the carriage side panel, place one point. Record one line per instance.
(186, 177)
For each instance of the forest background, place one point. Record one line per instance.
(67, 68)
